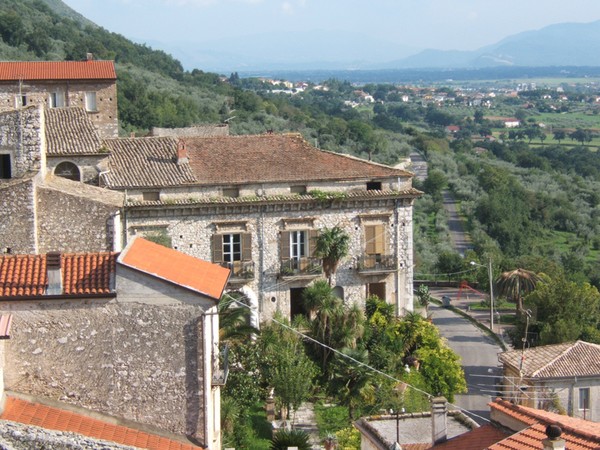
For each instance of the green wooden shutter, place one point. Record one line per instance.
(217, 248)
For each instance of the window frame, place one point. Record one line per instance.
(90, 101)
(584, 399)
(57, 99)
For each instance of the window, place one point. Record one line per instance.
(5, 167)
(300, 190)
(232, 247)
(67, 170)
(374, 186)
(151, 196)
(90, 102)
(584, 398)
(231, 192)
(21, 100)
(297, 244)
(57, 100)
(375, 239)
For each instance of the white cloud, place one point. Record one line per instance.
(287, 8)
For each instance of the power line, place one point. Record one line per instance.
(343, 355)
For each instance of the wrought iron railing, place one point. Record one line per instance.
(301, 266)
(240, 270)
(376, 263)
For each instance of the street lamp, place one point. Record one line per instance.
(473, 263)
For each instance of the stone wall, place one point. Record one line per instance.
(37, 94)
(17, 216)
(21, 136)
(74, 223)
(136, 361)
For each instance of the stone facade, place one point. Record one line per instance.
(192, 227)
(143, 354)
(73, 93)
(18, 216)
(73, 217)
(22, 138)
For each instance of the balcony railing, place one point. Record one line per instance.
(376, 263)
(240, 270)
(301, 267)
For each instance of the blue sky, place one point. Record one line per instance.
(441, 24)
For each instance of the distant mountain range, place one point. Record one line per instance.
(566, 44)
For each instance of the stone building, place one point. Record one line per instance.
(41, 212)
(90, 85)
(133, 335)
(256, 203)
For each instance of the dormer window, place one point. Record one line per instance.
(374, 186)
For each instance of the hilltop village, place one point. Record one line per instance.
(116, 252)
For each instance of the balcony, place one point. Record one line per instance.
(376, 264)
(241, 271)
(303, 267)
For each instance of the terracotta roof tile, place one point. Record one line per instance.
(146, 162)
(57, 70)
(561, 360)
(69, 131)
(227, 160)
(578, 434)
(28, 413)
(26, 275)
(476, 439)
(192, 273)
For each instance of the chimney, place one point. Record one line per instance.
(554, 442)
(439, 420)
(182, 153)
(53, 267)
(89, 56)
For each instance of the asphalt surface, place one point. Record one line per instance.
(461, 241)
(478, 352)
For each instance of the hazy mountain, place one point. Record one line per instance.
(566, 44)
(294, 50)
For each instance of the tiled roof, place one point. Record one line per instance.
(192, 273)
(29, 413)
(475, 439)
(275, 158)
(69, 131)
(578, 434)
(227, 160)
(82, 274)
(57, 70)
(561, 360)
(146, 162)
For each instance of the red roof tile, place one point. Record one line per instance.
(476, 439)
(28, 413)
(578, 434)
(176, 267)
(57, 70)
(87, 273)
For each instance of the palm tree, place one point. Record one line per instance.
(234, 321)
(332, 246)
(515, 284)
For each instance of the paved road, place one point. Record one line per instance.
(479, 355)
(461, 241)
